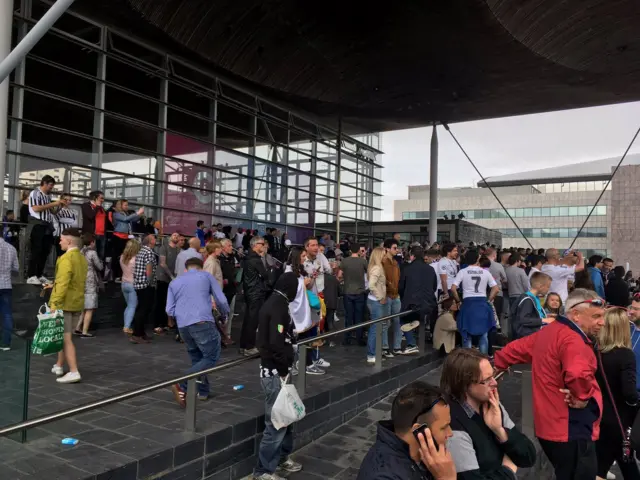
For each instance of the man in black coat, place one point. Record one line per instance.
(400, 451)
(255, 281)
(417, 288)
(617, 290)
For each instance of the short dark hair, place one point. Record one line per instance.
(9, 212)
(199, 223)
(355, 248)
(514, 258)
(536, 259)
(390, 242)
(193, 262)
(471, 258)
(417, 252)
(594, 260)
(619, 271)
(71, 232)
(433, 252)
(448, 248)
(541, 252)
(308, 240)
(47, 179)
(88, 238)
(460, 369)
(95, 194)
(607, 259)
(411, 402)
(484, 261)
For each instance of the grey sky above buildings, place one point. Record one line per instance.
(506, 145)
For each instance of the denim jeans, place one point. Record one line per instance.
(7, 316)
(101, 245)
(276, 445)
(483, 342)
(203, 345)
(131, 297)
(353, 310)
(377, 310)
(393, 307)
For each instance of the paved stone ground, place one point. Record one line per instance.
(112, 436)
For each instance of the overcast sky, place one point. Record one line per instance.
(506, 145)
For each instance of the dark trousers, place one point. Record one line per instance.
(40, 244)
(608, 449)
(101, 245)
(117, 247)
(160, 315)
(56, 245)
(353, 314)
(250, 323)
(328, 319)
(573, 460)
(144, 310)
(6, 294)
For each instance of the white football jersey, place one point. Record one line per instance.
(474, 281)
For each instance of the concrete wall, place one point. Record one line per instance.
(625, 217)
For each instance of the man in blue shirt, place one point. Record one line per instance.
(595, 273)
(189, 301)
(200, 232)
(184, 255)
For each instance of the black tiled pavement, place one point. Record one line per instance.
(150, 426)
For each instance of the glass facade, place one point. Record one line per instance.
(98, 110)
(558, 232)
(564, 187)
(573, 211)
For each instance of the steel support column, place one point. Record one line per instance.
(161, 147)
(338, 178)
(6, 24)
(433, 188)
(98, 115)
(38, 31)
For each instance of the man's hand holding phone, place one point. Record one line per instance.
(436, 458)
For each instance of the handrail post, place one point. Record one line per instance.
(421, 335)
(190, 414)
(527, 405)
(301, 383)
(22, 254)
(378, 365)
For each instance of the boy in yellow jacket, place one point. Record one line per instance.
(68, 296)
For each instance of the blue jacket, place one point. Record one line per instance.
(122, 222)
(635, 346)
(388, 459)
(596, 279)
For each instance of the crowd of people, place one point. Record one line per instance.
(485, 309)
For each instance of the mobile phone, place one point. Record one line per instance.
(421, 429)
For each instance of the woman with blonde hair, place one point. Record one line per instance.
(616, 376)
(127, 265)
(212, 264)
(376, 301)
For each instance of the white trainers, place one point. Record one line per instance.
(371, 360)
(70, 377)
(323, 363)
(611, 476)
(44, 280)
(315, 370)
(268, 476)
(34, 281)
(410, 350)
(290, 466)
(57, 370)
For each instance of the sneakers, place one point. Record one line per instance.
(57, 370)
(4, 348)
(250, 352)
(611, 476)
(387, 354)
(407, 327)
(268, 476)
(410, 350)
(70, 377)
(203, 397)
(371, 360)
(315, 370)
(290, 466)
(323, 363)
(397, 351)
(34, 281)
(44, 280)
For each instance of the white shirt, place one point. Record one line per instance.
(449, 268)
(474, 281)
(434, 265)
(299, 308)
(532, 271)
(321, 265)
(560, 275)
(237, 241)
(219, 235)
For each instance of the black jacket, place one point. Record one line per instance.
(331, 292)
(619, 367)
(476, 451)
(388, 459)
(255, 278)
(275, 337)
(89, 217)
(417, 287)
(617, 292)
(228, 267)
(527, 319)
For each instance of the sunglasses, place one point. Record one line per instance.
(595, 302)
(429, 408)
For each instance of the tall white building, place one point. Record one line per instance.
(549, 205)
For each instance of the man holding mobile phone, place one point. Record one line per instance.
(412, 445)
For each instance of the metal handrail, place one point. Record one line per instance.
(191, 378)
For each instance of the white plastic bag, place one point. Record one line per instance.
(288, 407)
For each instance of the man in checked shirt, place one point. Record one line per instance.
(8, 264)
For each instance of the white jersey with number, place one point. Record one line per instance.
(560, 276)
(474, 281)
(447, 267)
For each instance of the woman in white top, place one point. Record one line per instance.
(377, 300)
(212, 264)
(305, 320)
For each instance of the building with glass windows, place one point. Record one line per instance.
(549, 205)
(99, 108)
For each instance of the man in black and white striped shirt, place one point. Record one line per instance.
(63, 219)
(41, 224)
